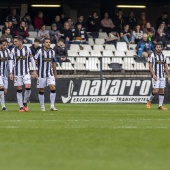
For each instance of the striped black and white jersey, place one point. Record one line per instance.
(21, 60)
(4, 57)
(158, 62)
(44, 62)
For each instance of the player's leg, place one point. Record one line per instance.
(155, 85)
(51, 84)
(5, 82)
(41, 84)
(18, 82)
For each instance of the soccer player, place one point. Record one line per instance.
(46, 73)
(157, 66)
(19, 57)
(4, 57)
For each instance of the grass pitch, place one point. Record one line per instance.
(85, 137)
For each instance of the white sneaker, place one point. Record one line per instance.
(43, 109)
(53, 109)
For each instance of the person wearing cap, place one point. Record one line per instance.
(54, 34)
(35, 47)
(80, 35)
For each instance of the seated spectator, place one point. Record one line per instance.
(144, 47)
(58, 22)
(43, 33)
(35, 47)
(61, 51)
(23, 32)
(148, 28)
(131, 20)
(81, 20)
(8, 24)
(107, 24)
(38, 21)
(66, 33)
(166, 31)
(138, 33)
(7, 35)
(93, 25)
(14, 18)
(54, 34)
(63, 18)
(142, 20)
(160, 37)
(80, 35)
(163, 18)
(28, 22)
(70, 22)
(10, 45)
(126, 35)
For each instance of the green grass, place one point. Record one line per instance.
(85, 137)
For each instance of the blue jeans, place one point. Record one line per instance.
(127, 40)
(28, 41)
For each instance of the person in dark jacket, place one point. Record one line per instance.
(61, 51)
(35, 47)
(58, 22)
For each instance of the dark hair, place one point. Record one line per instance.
(36, 40)
(158, 43)
(45, 39)
(61, 40)
(3, 40)
(19, 38)
(6, 28)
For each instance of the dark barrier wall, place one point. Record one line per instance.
(112, 90)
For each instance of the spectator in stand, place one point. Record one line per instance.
(126, 35)
(7, 35)
(142, 20)
(119, 20)
(107, 24)
(23, 32)
(58, 22)
(14, 18)
(28, 22)
(138, 33)
(54, 34)
(148, 28)
(80, 35)
(38, 21)
(163, 18)
(66, 33)
(160, 38)
(144, 47)
(131, 20)
(10, 45)
(70, 22)
(93, 25)
(61, 51)
(8, 24)
(166, 31)
(81, 20)
(63, 18)
(35, 47)
(43, 33)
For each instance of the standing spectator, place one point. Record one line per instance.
(43, 33)
(35, 47)
(80, 35)
(142, 20)
(61, 51)
(131, 20)
(54, 34)
(63, 18)
(66, 33)
(38, 21)
(160, 38)
(81, 20)
(8, 24)
(28, 22)
(126, 35)
(148, 28)
(93, 25)
(107, 24)
(23, 32)
(7, 35)
(163, 18)
(138, 33)
(14, 18)
(144, 47)
(119, 20)
(58, 22)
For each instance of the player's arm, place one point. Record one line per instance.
(151, 69)
(11, 64)
(167, 72)
(54, 67)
